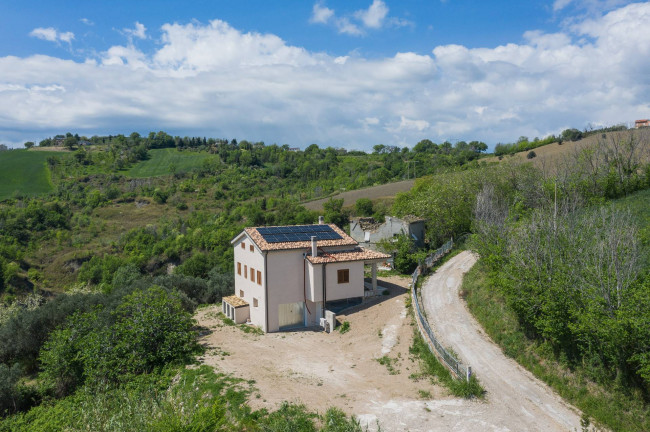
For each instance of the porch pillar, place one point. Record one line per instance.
(373, 266)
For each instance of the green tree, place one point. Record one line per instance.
(335, 214)
(29, 144)
(363, 207)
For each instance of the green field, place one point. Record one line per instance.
(24, 172)
(164, 161)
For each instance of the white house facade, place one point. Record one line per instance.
(288, 276)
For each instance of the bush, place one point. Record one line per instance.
(531, 154)
(363, 207)
(147, 331)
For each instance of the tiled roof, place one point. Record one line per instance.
(356, 254)
(235, 301)
(345, 240)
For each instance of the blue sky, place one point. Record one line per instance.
(346, 74)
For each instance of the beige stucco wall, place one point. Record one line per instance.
(286, 284)
(243, 282)
(337, 291)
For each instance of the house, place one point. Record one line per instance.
(642, 123)
(287, 277)
(369, 232)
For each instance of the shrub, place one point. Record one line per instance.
(531, 154)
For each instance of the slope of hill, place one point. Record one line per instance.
(24, 172)
(388, 190)
(550, 155)
(167, 161)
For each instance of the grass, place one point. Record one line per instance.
(25, 173)
(389, 363)
(432, 368)
(344, 328)
(606, 406)
(165, 161)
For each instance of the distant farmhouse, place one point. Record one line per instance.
(287, 277)
(642, 123)
(369, 232)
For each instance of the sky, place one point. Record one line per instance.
(349, 74)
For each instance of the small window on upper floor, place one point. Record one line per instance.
(245, 271)
(252, 248)
(254, 302)
(243, 245)
(252, 274)
(343, 276)
(241, 293)
(239, 268)
(259, 277)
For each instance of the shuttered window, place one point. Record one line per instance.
(343, 276)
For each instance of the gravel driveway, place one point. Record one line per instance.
(516, 400)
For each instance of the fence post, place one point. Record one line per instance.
(469, 373)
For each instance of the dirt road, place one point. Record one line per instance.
(516, 400)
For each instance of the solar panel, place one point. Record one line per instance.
(298, 233)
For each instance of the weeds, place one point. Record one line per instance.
(389, 363)
(344, 328)
(432, 367)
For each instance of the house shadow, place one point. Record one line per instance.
(390, 291)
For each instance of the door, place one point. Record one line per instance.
(291, 315)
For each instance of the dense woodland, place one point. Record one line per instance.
(91, 272)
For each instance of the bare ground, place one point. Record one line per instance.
(323, 370)
(516, 400)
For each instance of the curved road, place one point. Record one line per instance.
(516, 400)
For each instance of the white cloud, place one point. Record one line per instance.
(374, 16)
(214, 80)
(321, 14)
(139, 31)
(52, 35)
(87, 21)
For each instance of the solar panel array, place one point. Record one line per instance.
(298, 233)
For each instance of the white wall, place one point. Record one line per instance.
(337, 291)
(286, 283)
(243, 282)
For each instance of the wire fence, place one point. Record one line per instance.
(449, 360)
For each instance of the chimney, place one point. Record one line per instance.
(314, 249)
(321, 220)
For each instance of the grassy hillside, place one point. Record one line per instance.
(24, 172)
(166, 161)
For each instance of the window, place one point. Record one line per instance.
(239, 268)
(245, 271)
(254, 302)
(241, 293)
(252, 248)
(259, 277)
(252, 274)
(243, 245)
(343, 275)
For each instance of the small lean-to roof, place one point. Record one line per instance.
(345, 240)
(356, 254)
(235, 301)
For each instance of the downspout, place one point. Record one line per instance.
(324, 290)
(304, 283)
(266, 292)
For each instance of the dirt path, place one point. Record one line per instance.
(516, 400)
